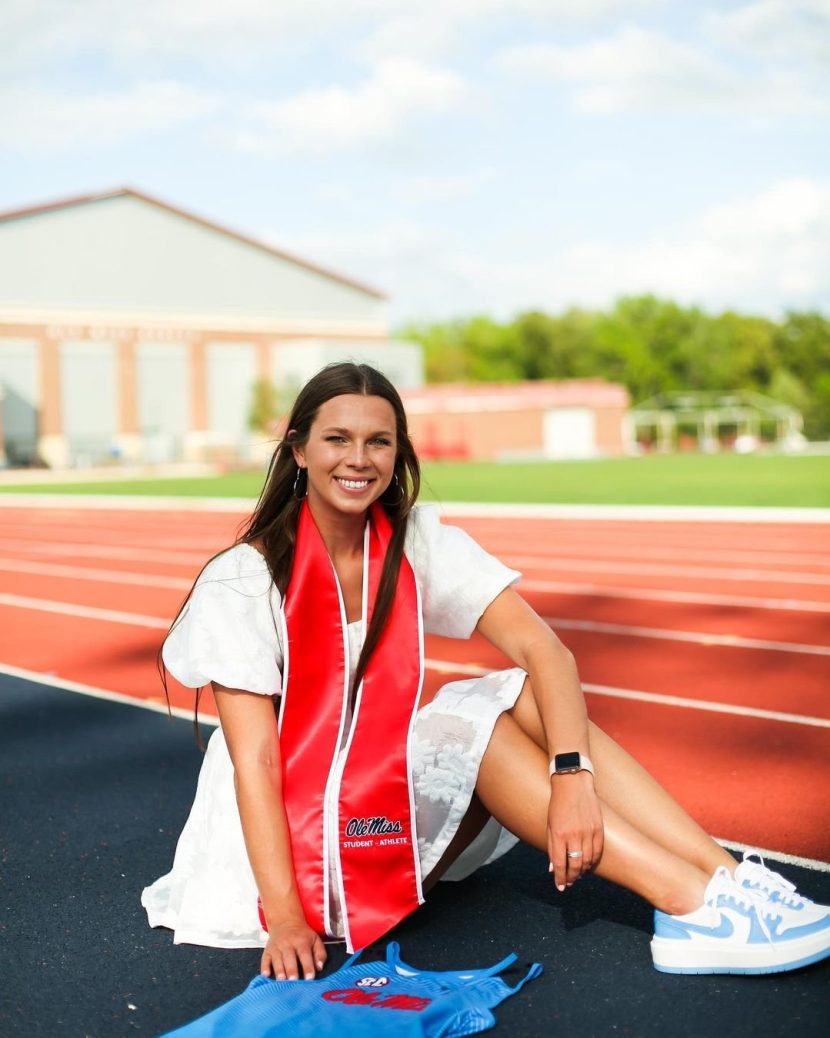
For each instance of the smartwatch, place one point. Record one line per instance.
(566, 763)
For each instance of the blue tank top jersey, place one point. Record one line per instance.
(372, 999)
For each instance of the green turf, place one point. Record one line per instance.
(684, 479)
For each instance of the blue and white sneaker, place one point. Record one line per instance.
(753, 874)
(740, 930)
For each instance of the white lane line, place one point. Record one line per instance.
(459, 509)
(785, 859)
(590, 548)
(128, 578)
(707, 705)
(102, 551)
(102, 693)
(732, 641)
(201, 547)
(46, 605)
(728, 640)
(546, 560)
(649, 513)
(104, 576)
(447, 667)
(651, 569)
(21, 539)
(561, 587)
(141, 503)
(476, 670)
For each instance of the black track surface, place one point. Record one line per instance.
(93, 797)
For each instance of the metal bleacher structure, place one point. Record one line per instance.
(739, 419)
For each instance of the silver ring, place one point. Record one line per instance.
(574, 854)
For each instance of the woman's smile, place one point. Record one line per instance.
(353, 485)
(350, 454)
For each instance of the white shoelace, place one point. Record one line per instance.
(768, 881)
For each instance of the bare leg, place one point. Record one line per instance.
(513, 785)
(625, 787)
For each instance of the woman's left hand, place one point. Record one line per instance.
(575, 831)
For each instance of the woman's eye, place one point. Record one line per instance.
(336, 439)
(381, 441)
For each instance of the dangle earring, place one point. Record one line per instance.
(300, 471)
(399, 488)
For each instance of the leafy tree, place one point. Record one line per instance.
(265, 405)
(445, 354)
(803, 344)
(493, 351)
(788, 388)
(536, 344)
(648, 344)
(817, 414)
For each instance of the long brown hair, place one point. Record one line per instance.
(272, 527)
(273, 524)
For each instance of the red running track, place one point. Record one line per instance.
(731, 619)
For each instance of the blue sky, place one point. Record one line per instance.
(465, 156)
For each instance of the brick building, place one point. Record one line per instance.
(131, 329)
(581, 418)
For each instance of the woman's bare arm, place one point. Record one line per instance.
(250, 728)
(574, 818)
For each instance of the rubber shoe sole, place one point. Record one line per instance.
(679, 956)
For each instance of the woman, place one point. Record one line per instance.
(336, 815)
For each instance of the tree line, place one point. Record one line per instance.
(647, 344)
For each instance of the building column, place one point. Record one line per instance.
(665, 433)
(2, 436)
(263, 356)
(710, 444)
(127, 435)
(52, 446)
(197, 436)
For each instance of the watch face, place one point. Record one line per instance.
(567, 762)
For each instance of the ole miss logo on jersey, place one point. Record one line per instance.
(360, 996)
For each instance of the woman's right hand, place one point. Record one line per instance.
(248, 720)
(293, 949)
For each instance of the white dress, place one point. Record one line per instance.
(228, 634)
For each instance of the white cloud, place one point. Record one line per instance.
(254, 30)
(761, 254)
(153, 29)
(793, 31)
(641, 70)
(330, 119)
(441, 189)
(39, 120)
(637, 69)
(439, 26)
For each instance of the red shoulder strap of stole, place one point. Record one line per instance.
(376, 856)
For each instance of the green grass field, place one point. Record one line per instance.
(683, 479)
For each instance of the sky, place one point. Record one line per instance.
(463, 156)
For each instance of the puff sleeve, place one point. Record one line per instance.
(457, 578)
(228, 631)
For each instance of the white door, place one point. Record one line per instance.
(231, 373)
(570, 432)
(163, 399)
(88, 401)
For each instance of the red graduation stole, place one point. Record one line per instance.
(378, 869)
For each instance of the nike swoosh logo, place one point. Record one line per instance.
(726, 928)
